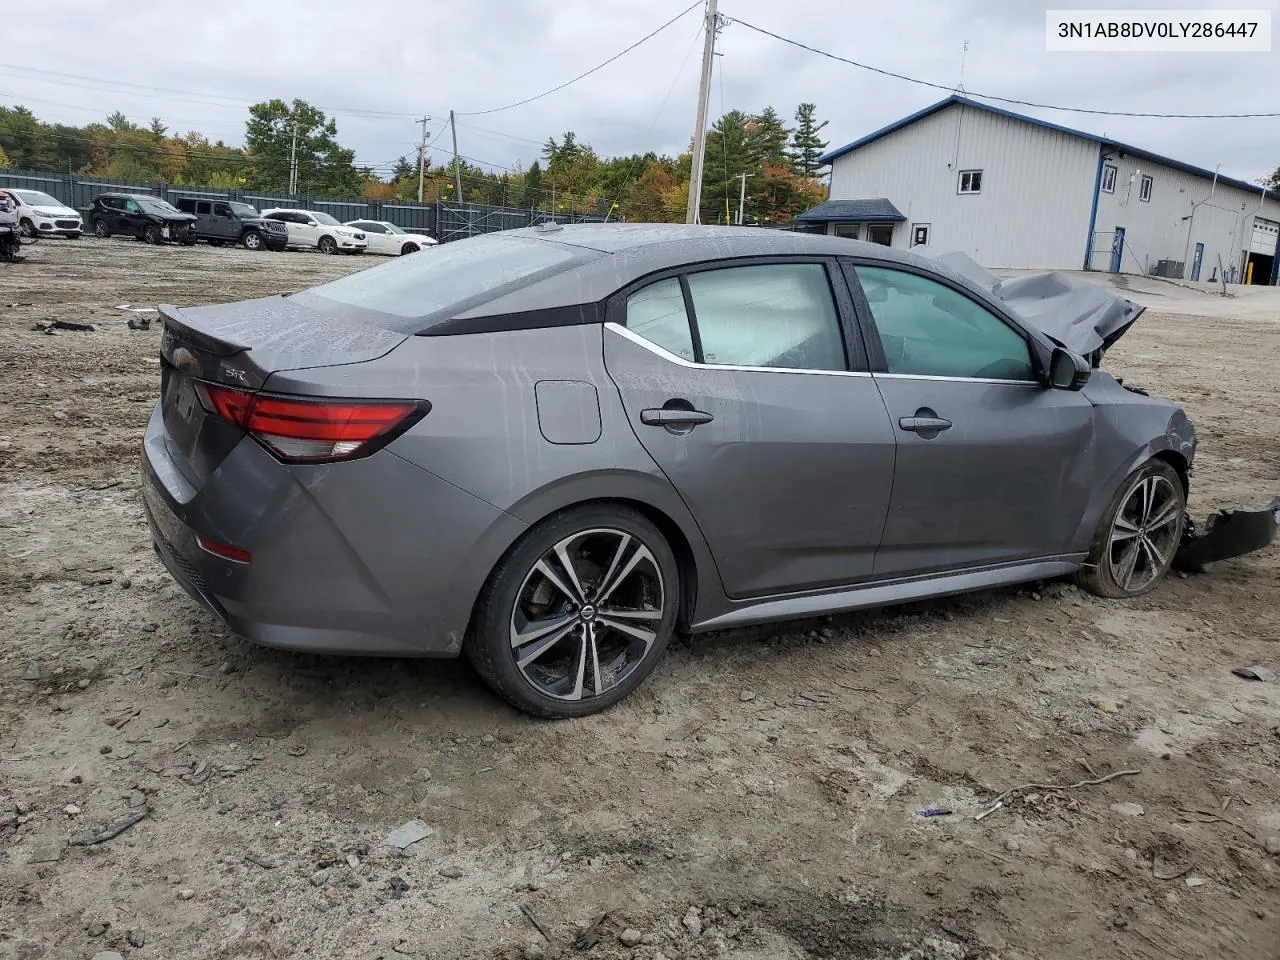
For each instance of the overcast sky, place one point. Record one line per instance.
(411, 57)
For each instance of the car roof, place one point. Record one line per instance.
(613, 255)
(131, 196)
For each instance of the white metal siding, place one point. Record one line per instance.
(1155, 230)
(1037, 186)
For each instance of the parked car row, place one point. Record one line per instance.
(216, 221)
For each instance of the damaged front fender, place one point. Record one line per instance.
(1226, 534)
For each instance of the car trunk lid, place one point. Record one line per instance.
(240, 345)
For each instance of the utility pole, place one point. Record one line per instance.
(293, 162)
(700, 122)
(742, 194)
(422, 156)
(457, 174)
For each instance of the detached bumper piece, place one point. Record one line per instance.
(1227, 534)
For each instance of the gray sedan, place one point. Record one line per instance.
(549, 449)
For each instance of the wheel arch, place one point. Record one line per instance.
(1178, 461)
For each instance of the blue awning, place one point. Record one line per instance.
(875, 210)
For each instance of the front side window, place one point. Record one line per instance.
(130, 206)
(928, 329)
(202, 207)
(770, 315)
(370, 227)
(1108, 178)
(1144, 190)
(222, 209)
(657, 313)
(970, 181)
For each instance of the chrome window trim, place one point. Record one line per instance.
(653, 348)
(928, 376)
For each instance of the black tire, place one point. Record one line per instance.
(101, 230)
(327, 245)
(593, 532)
(151, 234)
(409, 248)
(27, 228)
(252, 240)
(1157, 532)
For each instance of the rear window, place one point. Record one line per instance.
(450, 278)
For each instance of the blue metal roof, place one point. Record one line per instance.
(1105, 141)
(875, 210)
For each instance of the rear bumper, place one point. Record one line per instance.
(374, 557)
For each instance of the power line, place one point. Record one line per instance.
(600, 66)
(989, 96)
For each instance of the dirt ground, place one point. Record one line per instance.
(758, 798)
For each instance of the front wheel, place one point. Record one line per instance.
(28, 228)
(101, 230)
(577, 613)
(151, 234)
(252, 240)
(328, 245)
(409, 248)
(1139, 534)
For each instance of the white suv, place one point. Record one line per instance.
(312, 228)
(40, 215)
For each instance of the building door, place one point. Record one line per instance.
(1195, 263)
(1117, 249)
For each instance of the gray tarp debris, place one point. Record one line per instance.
(1082, 316)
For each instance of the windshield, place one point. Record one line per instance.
(154, 205)
(244, 209)
(455, 277)
(37, 199)
(324, 218)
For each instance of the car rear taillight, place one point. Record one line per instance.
(313, 430)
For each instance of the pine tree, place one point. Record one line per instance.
(806, 145)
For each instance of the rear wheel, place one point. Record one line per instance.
(577, 613)
(328, 245)
(1139, 534)
(409, 248)
(252, 240)
(101, 230)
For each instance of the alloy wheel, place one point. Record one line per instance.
(1144, 534)
(252, 241)
(587, 614)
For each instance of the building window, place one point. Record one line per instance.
(970, 181)
(849, 230)
(881, 233)
(1108, 178)
(920, 234)
(1144, 190)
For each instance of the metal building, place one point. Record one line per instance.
(1014, 191)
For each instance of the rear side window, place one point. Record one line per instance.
(186, 205)
(771, 315)
(202, 207)
(928, 329)
(455, 277)
(657, 313)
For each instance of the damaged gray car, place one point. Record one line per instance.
(550, 449)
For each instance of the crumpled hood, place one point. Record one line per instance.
(1084, 317)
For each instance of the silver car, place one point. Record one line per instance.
(552, 448)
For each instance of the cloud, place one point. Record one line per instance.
(378, 64)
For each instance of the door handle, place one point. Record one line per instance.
(924, 424)
(674, 417)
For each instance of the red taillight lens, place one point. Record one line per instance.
(313, 430)
(224, 550)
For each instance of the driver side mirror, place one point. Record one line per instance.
(1067, 370)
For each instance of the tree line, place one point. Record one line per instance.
(780, 163)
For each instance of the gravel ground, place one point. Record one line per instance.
(759, 797)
